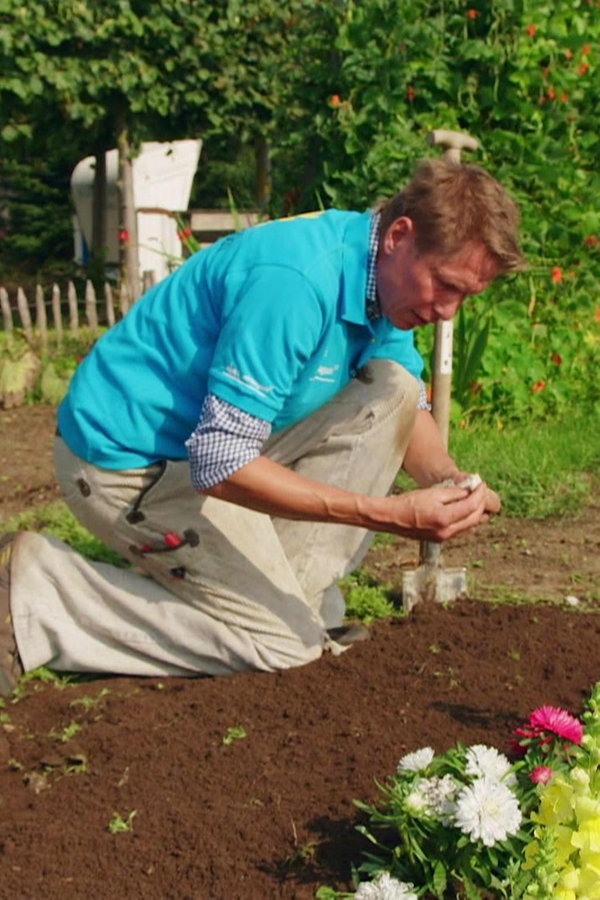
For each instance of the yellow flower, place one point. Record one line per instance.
(556, 803)
(586, 808)
(563, 844)
(564, 894)
(587, 836)
(589, 880)
(530, 852)
(569, 879)
(580, 780)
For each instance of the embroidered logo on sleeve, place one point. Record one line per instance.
(326, 373)
(234, 374)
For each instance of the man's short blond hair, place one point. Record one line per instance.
(452, 204)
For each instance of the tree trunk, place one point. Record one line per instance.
(99, 242)
(128, 238)
(263, 172)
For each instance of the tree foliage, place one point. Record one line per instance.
(159, 71)
(344, 94)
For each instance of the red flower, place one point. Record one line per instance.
(557, 274)
(597, 315)
(184, 234)
(334, 100)
(541, 774)
(557, 721)
(410, 93)
(592, 240)
(531, 30)
(123, 235)
(585, 50)
(472, 13)
(584, 68)
(563, 97)
(556, 359)
(551, 94)
(537, 387)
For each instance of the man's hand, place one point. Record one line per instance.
(441, 512)
(471, 481)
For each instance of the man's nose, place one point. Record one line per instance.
(447, 309)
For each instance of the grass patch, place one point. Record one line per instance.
(367, 599)
(58, 520)
(549, 470)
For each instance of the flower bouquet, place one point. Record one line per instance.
(472, 823)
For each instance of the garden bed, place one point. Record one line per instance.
(242, 787)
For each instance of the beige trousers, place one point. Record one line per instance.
(215, 588)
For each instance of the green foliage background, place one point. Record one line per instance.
(344, 94)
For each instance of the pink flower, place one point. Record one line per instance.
(558, 721)
(541, 774)
(547, 721)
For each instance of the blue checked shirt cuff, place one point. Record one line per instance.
(225, 439)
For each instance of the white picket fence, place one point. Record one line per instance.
(36, 316)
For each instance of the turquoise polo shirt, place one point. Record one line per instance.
(272, 320)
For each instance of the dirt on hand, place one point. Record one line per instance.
(243, 786)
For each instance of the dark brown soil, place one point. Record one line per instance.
(270, 814)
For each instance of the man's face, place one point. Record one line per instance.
(417, 289)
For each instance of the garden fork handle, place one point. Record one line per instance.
(453, 142)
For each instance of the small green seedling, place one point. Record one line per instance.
(119, 825)
(234, 733)
(90, 702)
(68, 732)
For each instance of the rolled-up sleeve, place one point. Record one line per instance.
(225, 439)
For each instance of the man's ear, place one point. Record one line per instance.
(396, 234)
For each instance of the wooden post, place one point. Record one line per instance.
(99, 242)
(130, 262)
(73, 311)
(91, 311)
(7, 318)
(110, 306)
(124, 298)
(56, 313)
(41, 319)
(148, 279)
(24, 313)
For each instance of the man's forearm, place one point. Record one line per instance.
(434, 514)
(426, 459)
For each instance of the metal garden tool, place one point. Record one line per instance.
(431, 582)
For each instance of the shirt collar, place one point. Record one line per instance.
(373, 308)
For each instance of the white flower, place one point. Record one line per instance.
(384, 887)
(487, 811)
(487, 762)
(416, 761)
(433, 796)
